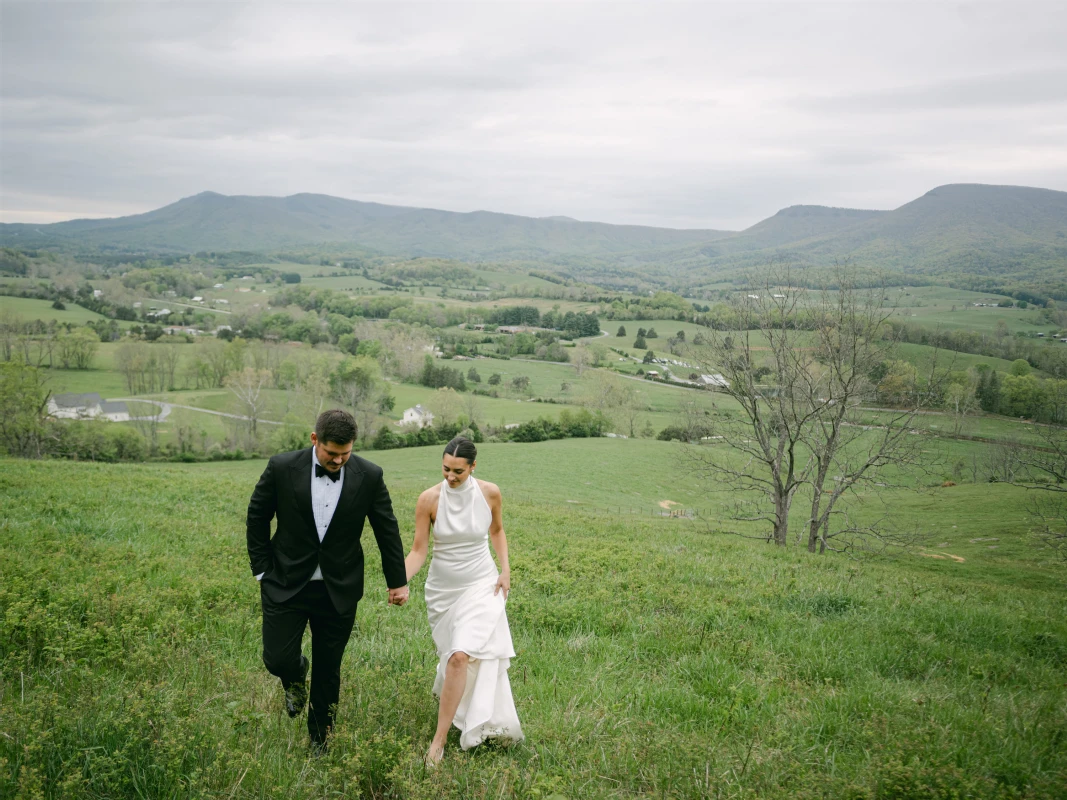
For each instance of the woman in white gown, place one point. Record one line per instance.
(465, 598)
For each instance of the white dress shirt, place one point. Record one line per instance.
(324, 497)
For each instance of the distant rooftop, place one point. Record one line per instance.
(77, 400)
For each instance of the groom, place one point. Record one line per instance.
(311, 572)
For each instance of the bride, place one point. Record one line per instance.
(465, 599)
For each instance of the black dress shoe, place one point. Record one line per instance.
(296, 696)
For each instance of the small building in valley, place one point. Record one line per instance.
(86, 406)
(417, 415)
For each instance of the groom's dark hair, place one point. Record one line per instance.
(337, 426)
(462, 447)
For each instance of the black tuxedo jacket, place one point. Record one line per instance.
(289, 559)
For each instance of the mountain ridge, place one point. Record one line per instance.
(954, 228)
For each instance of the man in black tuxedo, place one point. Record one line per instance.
(312, 570)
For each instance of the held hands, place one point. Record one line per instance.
(503, 582)
(397, 597)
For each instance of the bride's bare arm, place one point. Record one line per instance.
(496, 535)
(424, 509)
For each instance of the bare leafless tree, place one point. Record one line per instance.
(798, 367)
(768, 434)
(1006, 461)
(848, 326)
(1044, 470)
(248, 385)
(472, 407)
(168, 356)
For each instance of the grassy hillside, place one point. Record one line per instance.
(653, 659)
(792, 225)
(27, 308)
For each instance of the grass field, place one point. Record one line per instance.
(940, 306)
(28, 308)
(653, 659)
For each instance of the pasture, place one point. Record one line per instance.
(28, 308)
(654, 658)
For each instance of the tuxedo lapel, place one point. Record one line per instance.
(349, 492)
(300, 474)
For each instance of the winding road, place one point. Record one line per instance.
(165, 409)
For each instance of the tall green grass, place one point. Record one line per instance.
(654, 659)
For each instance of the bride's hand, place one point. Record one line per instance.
(503, 582)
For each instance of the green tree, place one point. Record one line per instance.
(899, 385)
(1020, 367)
(357, 383)
(639, 342)
(23, 408)
(494, 379)
(651, 334)
(621, 331)
(988, 390)
(76, 350)
(1022, 396)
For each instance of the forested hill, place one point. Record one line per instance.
(210, 221)
(957, 230)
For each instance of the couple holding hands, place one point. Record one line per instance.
(311, 573)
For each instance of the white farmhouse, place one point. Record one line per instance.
(86, 406)
(417, 415)
(74, 406)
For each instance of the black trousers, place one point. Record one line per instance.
(283, 628)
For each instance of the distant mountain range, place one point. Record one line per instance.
(957, 228)
(210, 221)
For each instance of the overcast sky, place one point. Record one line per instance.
(709, 115)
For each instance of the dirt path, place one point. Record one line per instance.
(165, 409)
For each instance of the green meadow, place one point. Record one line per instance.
(28, 308)
(656, 657)
(664, 650)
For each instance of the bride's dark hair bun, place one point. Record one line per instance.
(462, 447)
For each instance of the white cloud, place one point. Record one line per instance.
(708, 115)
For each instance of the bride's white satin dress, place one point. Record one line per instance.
(465, 615)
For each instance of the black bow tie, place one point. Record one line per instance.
(321, 470)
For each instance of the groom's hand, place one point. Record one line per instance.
(397, 597)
